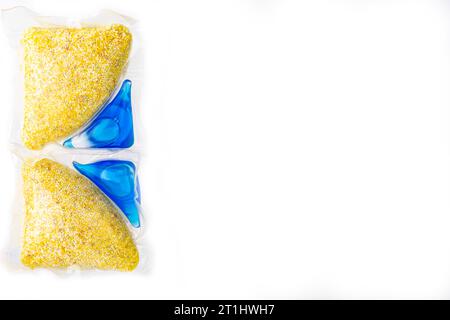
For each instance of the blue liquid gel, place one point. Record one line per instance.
(118, 180)
(111, 128)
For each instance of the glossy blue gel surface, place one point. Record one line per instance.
(111, 128)
(118, 180)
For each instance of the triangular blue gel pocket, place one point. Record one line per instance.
(118, 180)
(112, 127)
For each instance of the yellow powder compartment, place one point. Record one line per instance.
(70, 222)
(69, 73)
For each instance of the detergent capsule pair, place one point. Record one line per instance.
(77, 96)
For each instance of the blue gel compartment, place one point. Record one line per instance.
(118, 180)
(111, 128)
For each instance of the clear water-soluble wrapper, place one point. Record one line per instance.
(69, 221)
(79, 195)
(77, 80)
(78, 212)
(69, 73)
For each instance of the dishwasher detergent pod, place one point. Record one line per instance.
(69, 73)
(70, 222)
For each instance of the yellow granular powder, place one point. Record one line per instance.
(69, 74)
(70, 222)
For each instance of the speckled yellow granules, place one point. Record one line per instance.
(70, 222)
(69, 75)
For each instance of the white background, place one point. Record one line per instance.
(294, 149)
